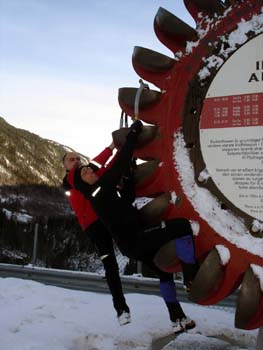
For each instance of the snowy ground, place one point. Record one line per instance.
(38, 317)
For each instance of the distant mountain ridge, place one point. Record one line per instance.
(26, 158)
(31, 173)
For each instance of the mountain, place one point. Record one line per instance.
(31, 173)
(26, 158)
(31, 194)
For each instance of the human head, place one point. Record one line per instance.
(71, 159)
(88, 174)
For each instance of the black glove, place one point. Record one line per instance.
(134, 132)
(136, 127)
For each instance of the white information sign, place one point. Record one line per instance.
(231, 128)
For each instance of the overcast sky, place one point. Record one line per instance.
(62, 63)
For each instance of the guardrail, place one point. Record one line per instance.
(92, 282)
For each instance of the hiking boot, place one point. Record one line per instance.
(124, 317)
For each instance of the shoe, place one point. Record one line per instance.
(124, 318)
(183, 324)
(187, 323)
(177, 326)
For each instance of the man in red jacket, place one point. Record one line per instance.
(97, 232)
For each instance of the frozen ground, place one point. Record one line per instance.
(39, 317)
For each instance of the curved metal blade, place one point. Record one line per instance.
(151, 61)
(248, 299)
(148, 97)
(172, 31)
(166, 256)
(153, 212)
(149, 133)
(210, 274)
(144, 170)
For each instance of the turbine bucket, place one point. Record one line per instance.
(149, 179)
(249, 300)
(148, 99)
(210, 274)
(166, 256)
(149, 104)
(149, 133)
(154, 211)
(151, 151)
(152, 66)
(152, 61)
(145, 170)
(173, 32)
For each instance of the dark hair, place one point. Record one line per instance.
(81, 185)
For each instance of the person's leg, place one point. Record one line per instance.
(179, 320)
(186, 254)
(168, 293)
(182, 232)
(114, 283)
(104, 245)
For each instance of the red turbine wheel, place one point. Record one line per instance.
(204, 146)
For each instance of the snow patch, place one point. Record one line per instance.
(224, 254)
(17, 216)
(195, 227)
(204, 175)
(174, 197)
(141, 202)
(234, 40)
(257, 226)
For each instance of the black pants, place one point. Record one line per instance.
(150, 240)
(102, 240)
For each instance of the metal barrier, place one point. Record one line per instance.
(87, 281)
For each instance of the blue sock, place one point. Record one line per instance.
(185, 249)
(168, 291)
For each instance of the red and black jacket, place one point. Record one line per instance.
(81, 206)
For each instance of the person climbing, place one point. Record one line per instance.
(97, 232)
(123, 220)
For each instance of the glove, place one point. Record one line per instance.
(136, 127)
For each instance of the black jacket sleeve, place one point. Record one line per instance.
(111, 178)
